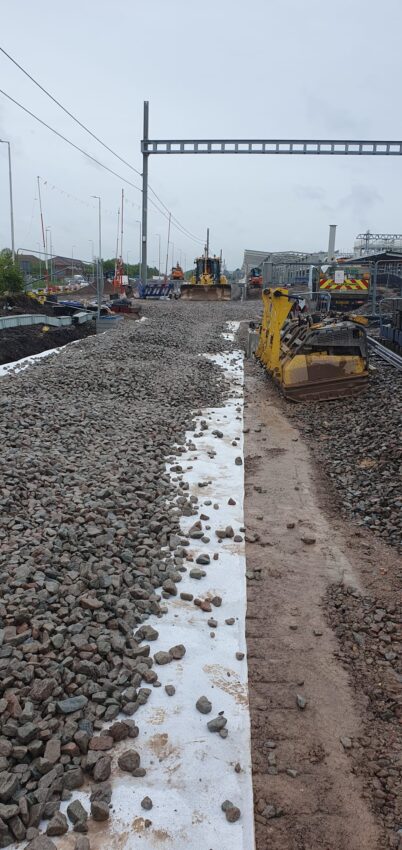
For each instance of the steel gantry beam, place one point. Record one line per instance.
(303, 147)
(271, 146)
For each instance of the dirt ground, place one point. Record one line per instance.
(19, 303)
(16, 343)
(325, 700)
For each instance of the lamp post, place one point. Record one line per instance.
(158, 236)
(99, 270)
(72, 261)
(4, 142)
(91, 242)
(99, 223)
(49, 251)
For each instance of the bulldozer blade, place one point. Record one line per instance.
(327, 390)
(203, 292)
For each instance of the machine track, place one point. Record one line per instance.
(386, 354)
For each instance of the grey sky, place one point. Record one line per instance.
(217, 68)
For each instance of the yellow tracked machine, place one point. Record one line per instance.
(207, 282)
(309, 353)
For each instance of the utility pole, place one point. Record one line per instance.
(10, 180)
(144, 260)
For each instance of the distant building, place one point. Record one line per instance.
(68, 267)
(27, 262)
(61, 266)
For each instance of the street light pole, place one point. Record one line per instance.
(99, 222)
(4, 142)
(158, 236)
(49, 248)
(72, 261)
(99, 268)
(91, 242)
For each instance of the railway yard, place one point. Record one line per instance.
(200, 425)
(200, 618)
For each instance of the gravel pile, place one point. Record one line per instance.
(90, 547)
(370, 639)
(358, 444)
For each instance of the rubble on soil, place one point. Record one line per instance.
(369, 632)
(16, 343)
(357, 442)
(88, 523)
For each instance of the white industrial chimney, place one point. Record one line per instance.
(331, 242)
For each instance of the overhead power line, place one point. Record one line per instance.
(98, 162)
(94, 136)
(67, 111)
(69, 142)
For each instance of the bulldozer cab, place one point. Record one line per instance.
(207, 282)
(207, 266)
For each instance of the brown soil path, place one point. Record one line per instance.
(306, 795)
